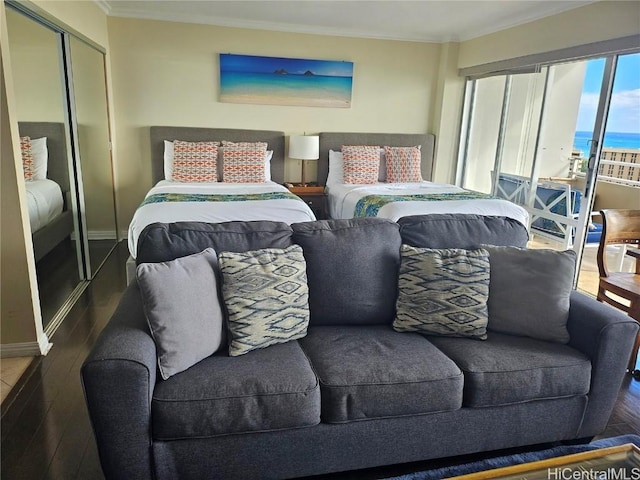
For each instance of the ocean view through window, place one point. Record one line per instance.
(619, 160)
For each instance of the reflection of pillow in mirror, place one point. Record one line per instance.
(40, 157)
(27, 158)
(168, 162)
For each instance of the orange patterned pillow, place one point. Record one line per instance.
(243, 162)
(403, 164)
(27, 158)
(195, 161)
(360, 164)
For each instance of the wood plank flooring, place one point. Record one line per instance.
(46, 433)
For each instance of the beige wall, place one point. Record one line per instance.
(36, 68)
(592, 23)
(93, 139)
(612, 195)
(167, 74)
(80, 17)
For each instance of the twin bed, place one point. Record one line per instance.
(171, 201)
(48, 195)
(397, 200)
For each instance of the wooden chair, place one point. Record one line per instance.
(621, 227)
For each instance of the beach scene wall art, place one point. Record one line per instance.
(285, 81)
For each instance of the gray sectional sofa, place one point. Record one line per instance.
(353, 393)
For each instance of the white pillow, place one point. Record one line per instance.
(168, 161)
(267, 165)
(336, 165)
(40, 157)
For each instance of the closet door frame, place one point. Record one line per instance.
(74, 161)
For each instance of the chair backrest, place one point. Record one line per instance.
(618, 227)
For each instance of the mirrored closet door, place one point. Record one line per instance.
(61, 104)
(92, 141)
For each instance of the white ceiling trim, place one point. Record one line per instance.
(496, 27)
(269, 26)
(119, 8)
(103, 5)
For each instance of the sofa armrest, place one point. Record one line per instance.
(118, 378)
(606, 336)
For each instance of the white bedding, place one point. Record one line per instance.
(44, 200)
(280, 210)
(344, 197)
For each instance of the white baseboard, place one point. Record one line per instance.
(26, 349)
(103, 235)
(99, 235)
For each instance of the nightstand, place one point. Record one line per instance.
(315, 198)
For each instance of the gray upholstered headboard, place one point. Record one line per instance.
(335, 140)
(58, 160)
(274, 139)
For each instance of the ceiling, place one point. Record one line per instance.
(411, 20)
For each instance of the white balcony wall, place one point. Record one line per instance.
(563, 103)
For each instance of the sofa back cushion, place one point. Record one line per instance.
(352, 270)
(161, 242)
(467, 231)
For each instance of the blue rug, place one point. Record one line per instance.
(517, 459)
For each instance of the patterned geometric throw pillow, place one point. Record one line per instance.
(27, 158)
(195, 161)
(243, 162)
(266, 295)
(443, 292)
(361, 164)
(403, 164)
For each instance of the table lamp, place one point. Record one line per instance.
(304, 147)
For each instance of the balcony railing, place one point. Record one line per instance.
(581, 168)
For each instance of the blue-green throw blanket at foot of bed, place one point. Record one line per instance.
(205, 197)
(370, 205)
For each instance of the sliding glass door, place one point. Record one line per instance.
(537, 138)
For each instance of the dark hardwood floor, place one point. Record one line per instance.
(58, 276)
(46, 433)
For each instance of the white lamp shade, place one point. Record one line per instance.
(304, 147)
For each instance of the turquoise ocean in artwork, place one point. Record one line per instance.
(286, 89)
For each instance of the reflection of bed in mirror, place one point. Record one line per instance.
(394, 199)
(48, 195)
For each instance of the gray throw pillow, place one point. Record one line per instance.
(443, 292)
(529, 292)
(266, 295)
(180, 300)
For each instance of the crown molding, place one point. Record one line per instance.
(104, 5)
(124, 9)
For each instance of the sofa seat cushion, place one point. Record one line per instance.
(267, 389)
(506, 369)
(373, 372)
